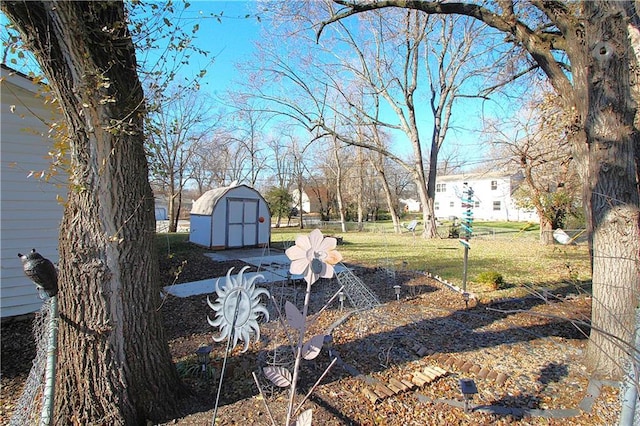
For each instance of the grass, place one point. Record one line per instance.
(511, 249)
(173, 244)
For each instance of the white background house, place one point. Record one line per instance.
(492, 196)
(410, 205)
(30, 215)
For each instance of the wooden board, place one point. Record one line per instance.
(398, 384)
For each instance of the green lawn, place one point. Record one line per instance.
(511, 249)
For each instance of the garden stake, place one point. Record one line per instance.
(226, 355)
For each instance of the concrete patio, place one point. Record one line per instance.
(272, 265)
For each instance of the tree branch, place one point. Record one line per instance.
(538, 45)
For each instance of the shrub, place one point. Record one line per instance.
(491, 278)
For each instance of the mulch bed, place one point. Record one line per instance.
(532, 345)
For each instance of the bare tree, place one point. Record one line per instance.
(389, 69)
(535, 141)
(209, 164)
(282, 157)
(245, 129)
(176, 126)
(338, 167)
(391, 197)
(601, 95)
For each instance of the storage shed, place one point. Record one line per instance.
(230, 217)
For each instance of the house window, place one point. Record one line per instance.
(451, 204)
(476, 204)
(494, 185)
(436, 206)
(496, 206)
(441, 187)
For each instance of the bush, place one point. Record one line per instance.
(491, 278)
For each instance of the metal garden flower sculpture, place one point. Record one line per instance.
(313, 257)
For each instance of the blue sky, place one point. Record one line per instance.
(230, 39)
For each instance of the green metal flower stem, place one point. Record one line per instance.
(296, 366)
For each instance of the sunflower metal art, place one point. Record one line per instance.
(238, 308)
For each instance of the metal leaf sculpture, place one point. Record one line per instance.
(304, 419)
(312, 348)
(279, 376)
(294, 317)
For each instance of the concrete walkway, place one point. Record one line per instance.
(272, 264)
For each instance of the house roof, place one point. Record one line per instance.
(207, 201)
(20, 79)
(477, 176)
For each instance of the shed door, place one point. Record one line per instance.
(242, 222)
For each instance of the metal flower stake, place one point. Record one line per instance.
(237, 309)
(312, 256)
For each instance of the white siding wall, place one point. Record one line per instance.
(492, 196)
(30, 215)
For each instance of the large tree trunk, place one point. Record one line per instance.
(609, 168)
(114, 365)
(546, 230)
(431, 227)
(173, 217)
(339, 198)
(388, 195)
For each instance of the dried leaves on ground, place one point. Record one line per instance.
(525, 356)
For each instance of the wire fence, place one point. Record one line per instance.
(29, 406)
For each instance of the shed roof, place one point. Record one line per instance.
(207, 201)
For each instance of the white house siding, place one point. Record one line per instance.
(492, 197)
(29, 213)
(411, 205)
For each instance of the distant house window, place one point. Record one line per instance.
(494, 186)
(451, 204)
(496, 206)
(476, 204)
(441, 187)
(436, 206)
